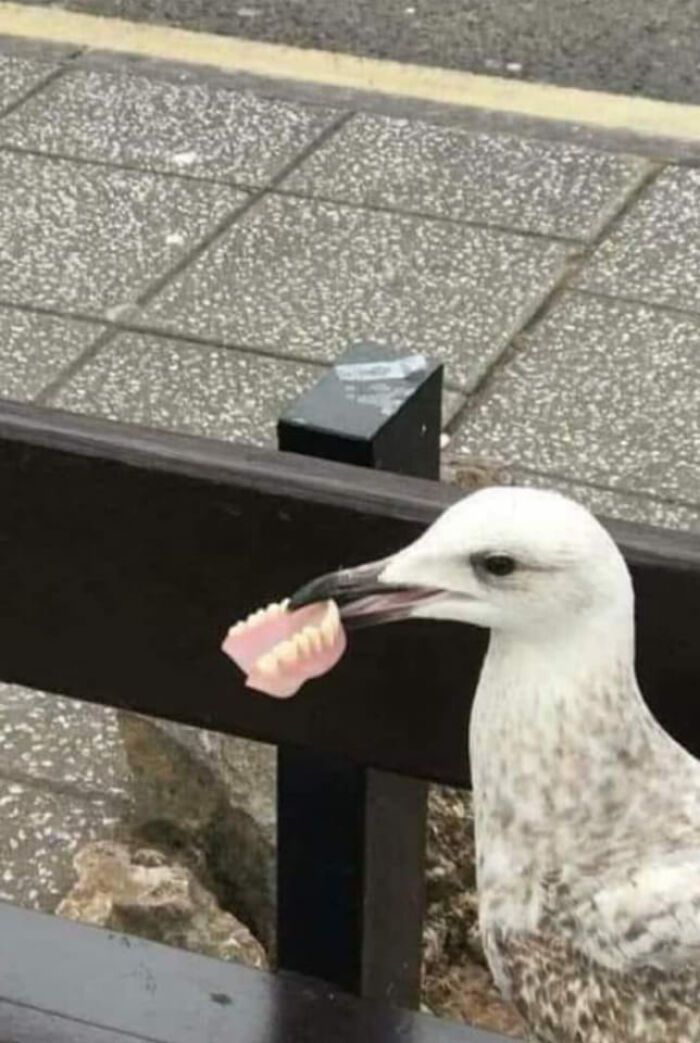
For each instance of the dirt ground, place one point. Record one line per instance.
(456, 981)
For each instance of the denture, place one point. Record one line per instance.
(279, 650)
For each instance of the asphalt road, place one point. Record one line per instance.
(649, 47)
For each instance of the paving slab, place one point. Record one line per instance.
(472, 472)
(34, 348)
(40, 832)
(48, 738)
(19, 75)
(215, 392)
(537, 186)
(207, 391)
(602, 392)
(89, 239)
(307, 278)
(183, 128)
(654, 253)
(452, 402)
(609, 503)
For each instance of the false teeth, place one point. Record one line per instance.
(279, 650)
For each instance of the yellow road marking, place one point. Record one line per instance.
(644, 116)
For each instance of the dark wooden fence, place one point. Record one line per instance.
(125, 555)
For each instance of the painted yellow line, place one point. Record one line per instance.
(643, 116)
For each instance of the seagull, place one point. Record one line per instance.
(587, 813)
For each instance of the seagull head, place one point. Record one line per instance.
(511, 559)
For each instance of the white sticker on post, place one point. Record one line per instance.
(396, 369)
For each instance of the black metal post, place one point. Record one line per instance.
(351, 840)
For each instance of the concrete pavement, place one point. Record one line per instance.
(181, 252)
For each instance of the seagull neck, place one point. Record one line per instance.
(554, 724)
(572, 658)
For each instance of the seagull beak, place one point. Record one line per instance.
(363, 597)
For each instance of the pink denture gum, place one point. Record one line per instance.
(279, 650)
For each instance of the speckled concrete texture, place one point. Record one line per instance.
(471, 472)
(452, 402)
(609, 503)
(40, 832)
(182, 128)
(19, 75)
(64, 781)
(601, 392)
(201, 390)
(308, 278)
(35, 348)
(90, 239)
(654, 254)
(47, 738)
(536, 186)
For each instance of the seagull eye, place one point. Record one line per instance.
(498, 564)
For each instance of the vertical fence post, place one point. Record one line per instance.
(351, 840)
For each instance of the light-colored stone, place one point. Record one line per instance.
(212, 798)
(140, 893)
(42, 825)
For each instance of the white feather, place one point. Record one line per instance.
(587, 812)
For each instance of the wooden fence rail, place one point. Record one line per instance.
(124, 556)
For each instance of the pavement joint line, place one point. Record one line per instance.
(90, 161)
(45, 81)
(578, 260)
(66, 374)
(232, 218)
(630, 199)
(572, 269)
(120, 326)
(107, 327)
(194, 340)
(533, 472)
(164, 333)
(517, 341)
(159, 333)
(515, 345)
(643, 116)
(678, 312)
(191, 339)
(382, 208)
(244, 186)
(619, 490)
(57, 312)
(54, 387)
(627, 198)
(75, 790)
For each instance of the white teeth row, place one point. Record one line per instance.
(308, 642)
(273, 610)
